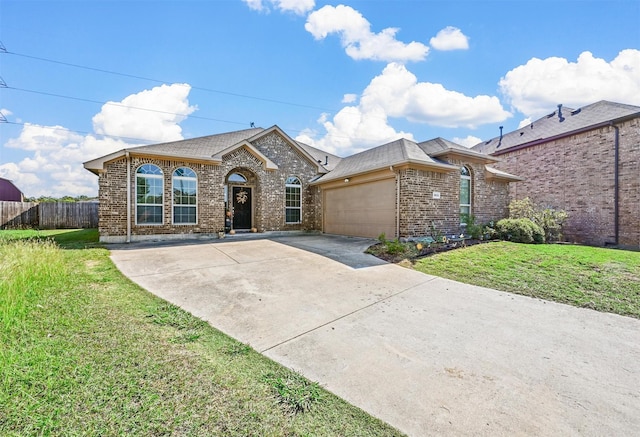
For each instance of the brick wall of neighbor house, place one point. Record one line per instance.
(576, 174)
(489, 200)
(268, 196)
(629, 181)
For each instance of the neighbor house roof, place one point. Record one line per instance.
(561, 122)
(9, 191)
(395, 153)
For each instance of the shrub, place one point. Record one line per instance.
(471, 227)
(549, 219)
(521, 230)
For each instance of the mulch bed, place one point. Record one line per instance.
(378, 250)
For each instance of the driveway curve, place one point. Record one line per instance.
(428, 355)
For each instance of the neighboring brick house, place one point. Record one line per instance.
(9, 192)
(585, 161)
(262, 180)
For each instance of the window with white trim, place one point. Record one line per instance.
(293, 200)
(185, 196)
(149, 195)
(465, 191)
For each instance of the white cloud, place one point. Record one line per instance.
(5, 112)
(168, 106)
(468, 141)
(524, 122)
(349, 98)
(397, 93)
(352, 131)
(299, 7)
(356, 36)
(450, 38)
(54, 166)
(538, 86)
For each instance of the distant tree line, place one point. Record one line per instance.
(44, 199)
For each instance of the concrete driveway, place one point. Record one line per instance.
(427, 355)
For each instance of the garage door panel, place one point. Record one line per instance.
(364, 210)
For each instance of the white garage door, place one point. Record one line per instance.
(364, 210)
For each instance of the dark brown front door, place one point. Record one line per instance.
(241, 207)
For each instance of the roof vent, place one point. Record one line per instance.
(553, 114)
(560, 117)
(500, 140)
(326, 159)
(576, 112)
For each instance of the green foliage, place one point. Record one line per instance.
(590, 277)
(294, 392)
(521, 230)
(394, 247)
(471, 228)
(549, 219)
(84, 351)
(382, 237)
(45, 199)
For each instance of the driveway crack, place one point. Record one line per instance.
(346, 315)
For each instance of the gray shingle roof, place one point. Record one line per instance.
(202, 147)
(394, 153)
(321, 156)
(552, 125)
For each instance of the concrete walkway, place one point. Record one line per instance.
(427, 355)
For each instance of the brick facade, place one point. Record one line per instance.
(576, 173)
(420, 212)
(268, 192)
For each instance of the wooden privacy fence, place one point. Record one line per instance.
(48, 215)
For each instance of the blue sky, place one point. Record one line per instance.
(341, 76)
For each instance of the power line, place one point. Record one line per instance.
(64, 129)
(4, 50)
(133, 76)
(80, 99)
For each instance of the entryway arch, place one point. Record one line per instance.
(240, 191)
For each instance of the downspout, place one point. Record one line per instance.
(397, 201)
(128, 197)
(616, 184)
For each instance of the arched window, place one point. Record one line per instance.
(237, 178)
(149, 195)
(465, 191)
(185, 196)
(293, 200)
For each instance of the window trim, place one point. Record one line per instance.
(173, 196)
(468, 178)
(295, 183)
(161, 204)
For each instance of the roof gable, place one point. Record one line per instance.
(439, 147)
(395, 153)
(561, 122)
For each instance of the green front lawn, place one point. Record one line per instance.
(597, 278)
(84, 351)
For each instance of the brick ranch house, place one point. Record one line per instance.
(585, 161)
(263, 180)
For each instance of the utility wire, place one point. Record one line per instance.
(5, 51)
(120, 105)
(64, 129)
(80, 99)
(133, 76)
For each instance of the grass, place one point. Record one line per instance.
(84, 351)
(601, 279)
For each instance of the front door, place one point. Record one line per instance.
(241, 207)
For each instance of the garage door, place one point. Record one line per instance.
(364, 210)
